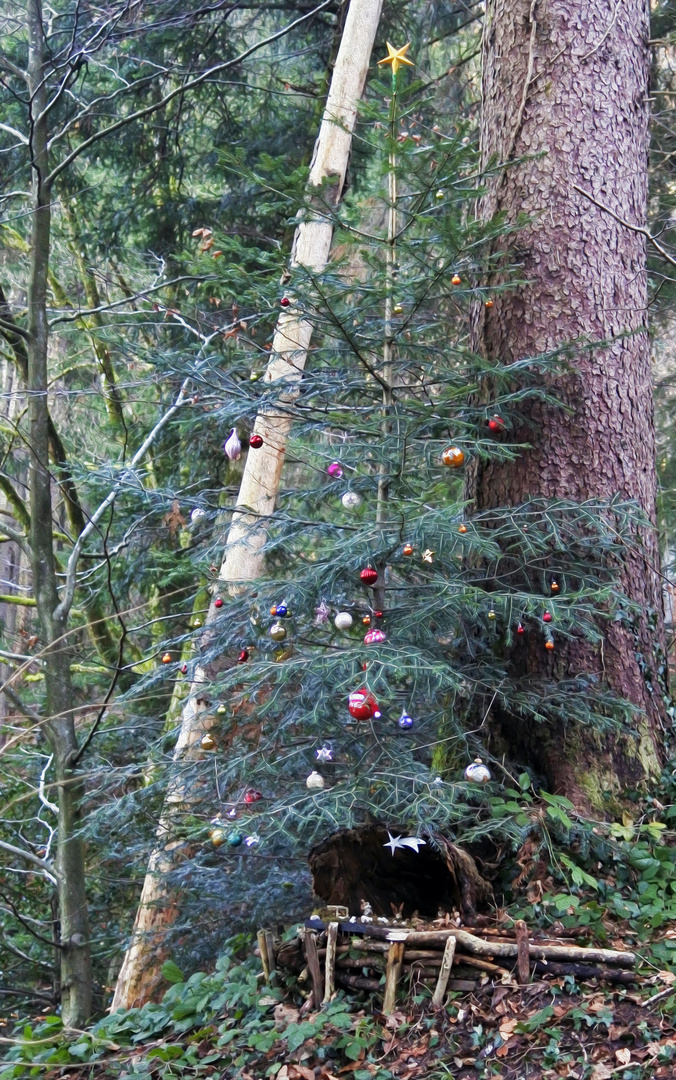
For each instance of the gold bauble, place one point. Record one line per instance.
(207, 742)
(277, 632)
(217, 837)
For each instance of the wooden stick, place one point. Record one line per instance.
(522, 953)
(263, 947)
(315, 969)
(270, 949)
(331, 937)
(356, 982)
(395, 958)
(585, 971)
(444, 974)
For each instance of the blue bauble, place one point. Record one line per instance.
(281, 611)
(235, 839)
(405, 721)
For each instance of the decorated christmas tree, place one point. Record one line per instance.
(353, 682)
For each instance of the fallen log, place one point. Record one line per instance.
(585, 971)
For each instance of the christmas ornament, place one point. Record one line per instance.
(343, 620)
(379, 614)
(547, 617)
(335, 470)
(362, 705)
(197, 623)
(166, 659)
(397, 309)
(315, 781)
(351, 500)
(549, 644)
(396, 57)
(491, 614)
(405, 721)
(235, 839)
(455, 280)
(403, 842)
(366, 620)
(375, 637)
(554, 586)
(453, 456)
(213, 569)
(439, 194)
(217, 837)
(221, 710)
(324, 753)
(488, 303)
(462, 528)
(477, 772)
(369, 576)
(254, 376)
(277, 632)
(218, 602)
(243, 656)
(273, 609)
(428, 555)
(520, 629)
(197, 513)
(252, 796)
(256, 441)
(322, 613)
(407, 549)
(496, 423)
(282, 610)
(184, 669)
(233, 447)
(285, 301)
(253, 839)
(207, 742)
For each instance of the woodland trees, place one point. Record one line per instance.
(154, 161)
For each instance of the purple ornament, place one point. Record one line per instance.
(322, 613)
(335, 469)
(233, 447)
(375, 637)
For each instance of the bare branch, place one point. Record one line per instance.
(628, 225)
(83, 312)
(47, 868)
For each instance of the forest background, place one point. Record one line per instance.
(150, 189)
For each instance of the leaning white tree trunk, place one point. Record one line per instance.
(140, 973)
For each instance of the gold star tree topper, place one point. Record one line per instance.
(396, 57)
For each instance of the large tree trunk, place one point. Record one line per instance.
(242, 561)
(76, 979)
(565, 83)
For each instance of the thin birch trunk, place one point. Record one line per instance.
(140, 974)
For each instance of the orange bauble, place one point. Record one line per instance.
(549, 645)
(407, 549)
(455, 280)
(462, 528)
(453, 456)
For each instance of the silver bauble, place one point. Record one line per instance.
(315, 781)
(343, 620)
(277, 632)
(351, 500)
(477, 772)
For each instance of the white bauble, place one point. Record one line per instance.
(343, 620)
(351, 500)
(477, 772)
(315, 781)
(197, 514)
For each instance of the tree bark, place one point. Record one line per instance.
(76, 980)
(565, 106)
(140, 973)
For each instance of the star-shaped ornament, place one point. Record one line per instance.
(253, 839)
(413, 842)
(428, 555)
(396, 57)
(324, 753)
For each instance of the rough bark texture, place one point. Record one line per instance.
(140, 974)
(565, 83)
(76, 981)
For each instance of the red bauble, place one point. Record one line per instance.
(375, 637)
(256, 441)
(218, 602)
(496, 423)
(520, 629)
(369, 576)
(252, 795)
(243, 656)
(379, 614)
(362, 705)
(184, 669)
(285, 301)
(547, 617)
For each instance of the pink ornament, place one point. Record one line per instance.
(375, 637)
(233, 447)
(335, 469)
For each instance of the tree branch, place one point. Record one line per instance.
(140, 114)
(28, 856)
(640, 229)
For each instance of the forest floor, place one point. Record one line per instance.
(231, 1026)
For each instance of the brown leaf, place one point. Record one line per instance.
(623, 1055)
(174, 519)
